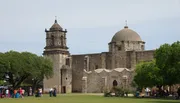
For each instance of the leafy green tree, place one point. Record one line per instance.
(1, 82)
(163, 71)
(2, 66)
(147, 74)
(43, 69)
(168, 60)
(21, 66)
(176, 59)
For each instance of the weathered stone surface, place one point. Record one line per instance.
(57, 51)
(78, 74)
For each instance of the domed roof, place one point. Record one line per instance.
(126, 34)
(56, 26)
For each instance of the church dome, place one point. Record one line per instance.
(56, 26)
(126, 34)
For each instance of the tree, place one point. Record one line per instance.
(43, 69)
(176, 59)
(168, 60)
(147, 74)
(20, 66)
(2, 67)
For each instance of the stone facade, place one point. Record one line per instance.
(103, 79)
(94, 72)
(57, 51)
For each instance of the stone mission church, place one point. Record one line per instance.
(93, 73)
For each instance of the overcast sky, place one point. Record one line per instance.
(91, 24)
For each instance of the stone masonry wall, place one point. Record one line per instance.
(58, 61)
(119, 59)
(78, 67)
(94, 61)
(109, 60)
(98, 82)
(144, 55)
(77, 72)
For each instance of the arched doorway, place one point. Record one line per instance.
(115, 83)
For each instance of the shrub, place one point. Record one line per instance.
(107, 93)
(118, 91)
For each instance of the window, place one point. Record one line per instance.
(115, 83)
(119, 48)
(62, 42)
(68, 61)
(86, 63)
(96, 67)
(142, 47)
(52, 42)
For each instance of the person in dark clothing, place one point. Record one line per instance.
(50, 92)
(178, 92)
(54, 92)
(11, 93)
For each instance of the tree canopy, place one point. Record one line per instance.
(20, 66)
(147, 74)
(168, 60)
(164, 70)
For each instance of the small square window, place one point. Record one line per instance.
(96, 67)
(119, 48)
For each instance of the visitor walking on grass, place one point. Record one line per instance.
(50, 92)
(54, 92)
(21, 92)
(7, 93)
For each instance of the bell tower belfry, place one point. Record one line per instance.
(57, 50)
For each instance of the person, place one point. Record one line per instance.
(0, 92)
(23, 92)
(147, 90)
(20, 92)
(178, 92)
(3, 93)
(15, 92)
(30, 91)
(11, 93)
(17, 95)
(40, 91)
(50, 92)
(154, 92)
(54, 92)
(7, 92)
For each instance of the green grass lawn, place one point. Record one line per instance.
(80, 98)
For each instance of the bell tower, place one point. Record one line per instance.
(57, 50)
(56, 39)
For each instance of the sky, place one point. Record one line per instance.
(91, 24)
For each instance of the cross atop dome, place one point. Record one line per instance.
(55, 19)
(56, 26)
(126, 24)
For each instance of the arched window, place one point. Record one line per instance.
(52, 38)
(68, 61)
(62, 41)
(142, 47)
(86, 63)
(115, 83)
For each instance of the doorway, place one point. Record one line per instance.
(115, 83)
(64, 89)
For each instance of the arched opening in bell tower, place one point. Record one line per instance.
(62, 41)
(52, 42)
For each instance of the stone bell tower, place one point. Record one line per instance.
(57, 50)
